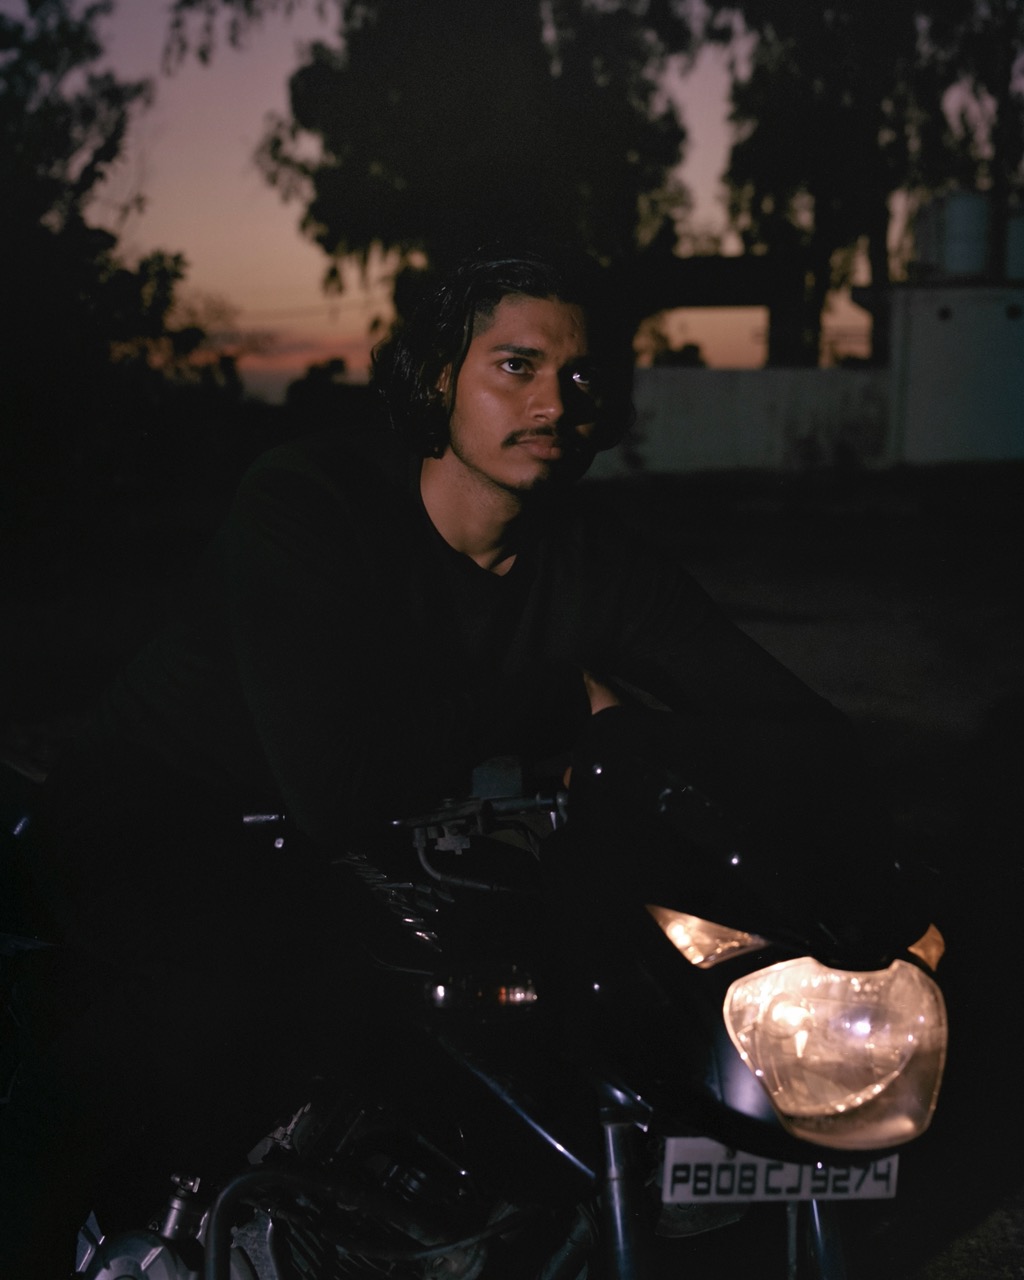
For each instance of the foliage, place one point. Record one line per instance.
(61, 122)
(87, 342)
(840, 107)
(194, 23)
(324, 397)
(431, 128)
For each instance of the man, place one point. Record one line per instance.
(380, 613)
(383, 610)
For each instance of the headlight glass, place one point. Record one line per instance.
(702, 942)
(849, 1060)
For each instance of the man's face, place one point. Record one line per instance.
(524, 410)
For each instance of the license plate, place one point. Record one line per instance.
(701, 1171)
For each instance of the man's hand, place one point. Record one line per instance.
(601, 698)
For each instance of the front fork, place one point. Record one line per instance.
(622, 1113)
(814, 1245)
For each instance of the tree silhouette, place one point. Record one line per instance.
(432, 128)
(840, 107)
(79, 328)
(61, 126)
(61, 122)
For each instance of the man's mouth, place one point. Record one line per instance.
(540, 442)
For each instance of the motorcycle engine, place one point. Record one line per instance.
(393, 1203)
(347, 1190)
(338, 1193)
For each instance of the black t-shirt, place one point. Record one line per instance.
(338, 654)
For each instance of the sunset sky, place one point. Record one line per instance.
(190, 155)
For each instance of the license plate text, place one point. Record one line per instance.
(700, 1171)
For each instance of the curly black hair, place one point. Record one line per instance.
(408, 365)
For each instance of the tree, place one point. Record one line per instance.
(839, 107)
(61, 126)
(431, 128)
(82, 332)
(61, 123)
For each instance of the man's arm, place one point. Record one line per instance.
(322, 650)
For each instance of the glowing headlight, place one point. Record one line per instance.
(849, 1060)
(703, 943)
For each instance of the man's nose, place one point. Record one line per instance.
(548, 403)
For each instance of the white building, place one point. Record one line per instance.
(954, 391)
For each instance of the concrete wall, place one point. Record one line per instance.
(769, 419)
(955, 393)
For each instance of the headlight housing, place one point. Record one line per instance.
(849, 1060)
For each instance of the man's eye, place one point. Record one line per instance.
(582, 378)
(515, 364)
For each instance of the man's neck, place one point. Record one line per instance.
(479, 520)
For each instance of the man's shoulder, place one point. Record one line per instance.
(347, 464)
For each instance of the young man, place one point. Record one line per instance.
(380, 613)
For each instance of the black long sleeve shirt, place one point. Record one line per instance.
(338, 653)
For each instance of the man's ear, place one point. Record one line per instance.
(443, 384)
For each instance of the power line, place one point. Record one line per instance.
(326, 308)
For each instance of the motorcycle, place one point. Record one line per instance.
(592, 1025)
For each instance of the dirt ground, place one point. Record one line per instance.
(897, 595)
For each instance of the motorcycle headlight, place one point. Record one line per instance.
(849, 1060)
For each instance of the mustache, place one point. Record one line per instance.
(566, 439)
(531, 433)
